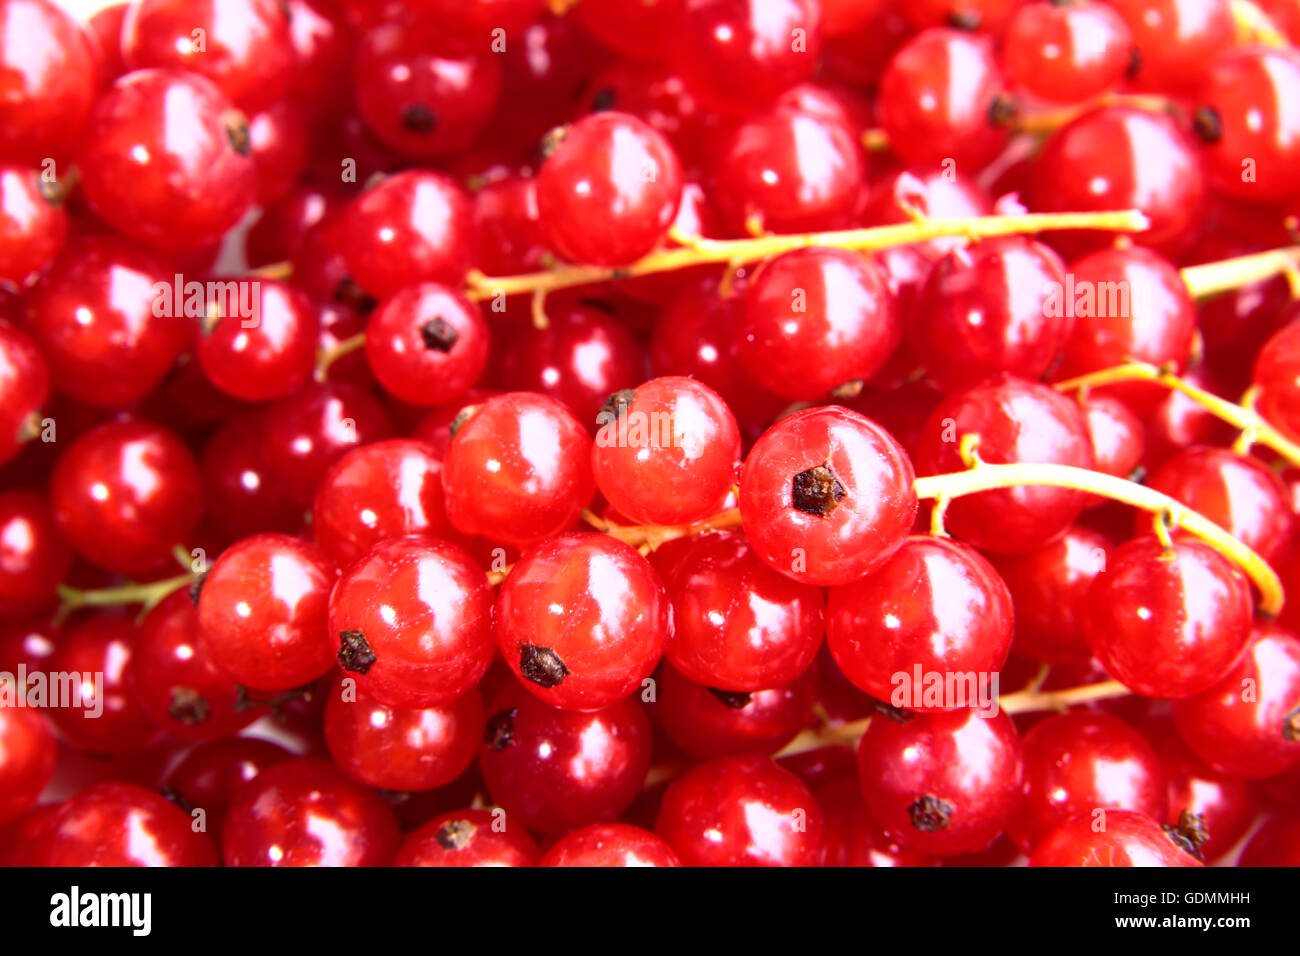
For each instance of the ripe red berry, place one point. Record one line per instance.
(33, 223)
(28, 753)
(1175, 39)
(1067, 53)
(209, 776)
(34, 558)
(427, 344)
(267, 353)
(468, 838)
(610, 844)
(1277, 843)
(24, 388)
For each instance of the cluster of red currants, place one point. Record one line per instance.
(649, 432)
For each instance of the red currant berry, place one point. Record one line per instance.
(853, 837)
(1066, 52)
(610, 844)
(33, 223)
(262, 612)
(240, 496)
(633, 29)
(24, 389)
(468, 838)
(1118, 436)
(266, 353)
(28, 754)
(34, 557)
(1175, 39)
(427, 345)
(412, 620)
(510, 235)
(209, 775)
(1277, 377)
(1277, 843)
(1119, 838)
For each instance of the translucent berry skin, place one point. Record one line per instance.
(934, 193)
(24, 388)
(50, 80)
(1249, 735)
(787, 170)
(582, 620)
(1078, 762)
(815, 319)
(1237, 492)
(609, 191)
(582, 357)
(705, 722)
(262, 612)
(936, 605)
(108, 718)
(125, 494)
(1049, 588)
(610, 844)
(738, 53)
(189, 182)
(1277, 376)
(1257, 146)
(176, 682)
(210, 774)
(1066, 54)
(93, 315)
(1176, 38)
(943, 783)
(32, 226)
(468, 838)
(552, 770)
(411, 622)
(121, 824)
(854, 837)
(1168, 625)
(766, 638)
(427, 345)
(861, 530)
(1130, 838)
(1015, 421)
(306, 812)
(1277, 843)
(985, 309)
(742, 811)
(1117, 434)
(418, 100)
(28, 754)
(403, 750)
(518, 471)
(924, 118)
(34, 557)
(414, 226)
(239, 495)
(382, 490)
(1117, 157)
(509, 227)
(245, 49)
(267, 354)
(668, 454)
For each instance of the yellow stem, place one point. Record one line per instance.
(275, 270)
(1214, 278)
(148, 595)
(1254, 25)
(327, 357)
(656, 535)
(1254, 427)
(989, 477)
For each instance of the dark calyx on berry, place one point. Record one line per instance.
(418, 118)
(929, 813)
(196, 588)
(462, 416)
(1189, 833)
(1002, 110)
(355, 653)
(455, 834)
(1291, 725)
(541, 665)
(616, 405)
(604, 99)
(817, 491)
(237, 133)
(967, 20)
(438, 334)
(188, 706)
(349, 293)
(500, 729)
(735, 699)
(1208, 124)
(896, 714)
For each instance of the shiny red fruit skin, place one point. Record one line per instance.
(50, 81)
(609, 191)
(93, 316)
(209, 775)
(969, 766)
(382, 490)
(936, 605)
(422, 612)
(468, 838)
(427, 345)
(1277, 843)
(552, 770)
(245, 47)
(610, 844)
(24, 388)
(262, 612)
(28, 754)
(1015, 421)
(1277, 369)
(742, 811)
(33, 223)
(305, 812)
(1049, 589)
(582, 620)
(815, 319)
(867, 524)
(518, 470)
(1175, 39)
(403, 750)
(176, 683)
(120, 824)
(1168, 625)
(34, 557)
(267, 354)
(1117, 434)
(1130, 838)
(1066, 54)
(125, 494)
(669, 454)
(737, 624)
(1078, 762)
(1248, 724)
(188, 181)
(853, 837)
